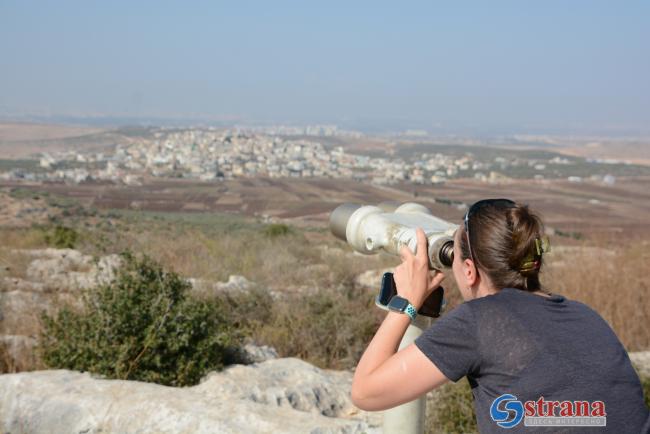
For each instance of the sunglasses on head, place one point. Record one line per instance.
(474, 209)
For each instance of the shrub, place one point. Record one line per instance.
(250, 310)
(62, 237)
(645, 382)
(141, 326)
(328, 328)
(276, 230)
(451, 409)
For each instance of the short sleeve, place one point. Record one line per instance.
(451, 343)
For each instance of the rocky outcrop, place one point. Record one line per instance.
(235, 283)
(259, 353)
(276, 396)
(52, 277)
(61, 270)
(279, 395)
(69, 269)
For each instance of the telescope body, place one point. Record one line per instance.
(389, 226)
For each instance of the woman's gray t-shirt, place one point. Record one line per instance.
(533, 347)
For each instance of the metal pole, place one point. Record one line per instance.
(408, 418)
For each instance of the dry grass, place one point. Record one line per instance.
(608, 277)
(611, 280)
(25, 360)
(329, 328)
(7, 363)
(14, 263)
(217, 249)
(21, 238)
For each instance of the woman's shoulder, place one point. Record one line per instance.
(509, 302)
(519, 296)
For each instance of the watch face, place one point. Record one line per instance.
(398, 303)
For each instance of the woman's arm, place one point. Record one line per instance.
(398, 377)
(384, 377)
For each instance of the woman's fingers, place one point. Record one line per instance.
(436, 280)
(412, 277)
(422, 250)
(405, 253)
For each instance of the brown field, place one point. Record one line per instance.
(633, 151)
(590, 209)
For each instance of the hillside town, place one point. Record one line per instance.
(217, 155)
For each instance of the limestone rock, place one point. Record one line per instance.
(281, 395)
(259, 353)
(287, 382)
(18, 284)
(106, 268)
(235, 283)
(69, 269)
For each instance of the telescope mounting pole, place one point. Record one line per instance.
(408, 418)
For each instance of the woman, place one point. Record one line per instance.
(508, 338)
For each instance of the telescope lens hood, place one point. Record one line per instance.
(339, 219)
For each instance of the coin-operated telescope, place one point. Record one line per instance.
(389, 225)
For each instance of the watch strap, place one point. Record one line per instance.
(411, 311)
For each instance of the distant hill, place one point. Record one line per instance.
(24, 140)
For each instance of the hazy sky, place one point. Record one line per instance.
(519, 64)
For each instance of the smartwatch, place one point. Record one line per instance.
(402, 305)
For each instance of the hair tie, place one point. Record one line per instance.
(533, 260)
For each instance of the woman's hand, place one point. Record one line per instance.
(386, 377)
(412, 278)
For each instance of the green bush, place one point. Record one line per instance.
(62, 237)
(645, 382)
(451, 410)
(250, 310)
(141, 326)
(276, 230)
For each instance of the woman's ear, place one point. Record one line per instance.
(470, 274)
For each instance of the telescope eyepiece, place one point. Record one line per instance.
(446, 254)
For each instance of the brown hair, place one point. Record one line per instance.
(503, 240)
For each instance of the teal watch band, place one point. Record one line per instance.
(411, 312)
